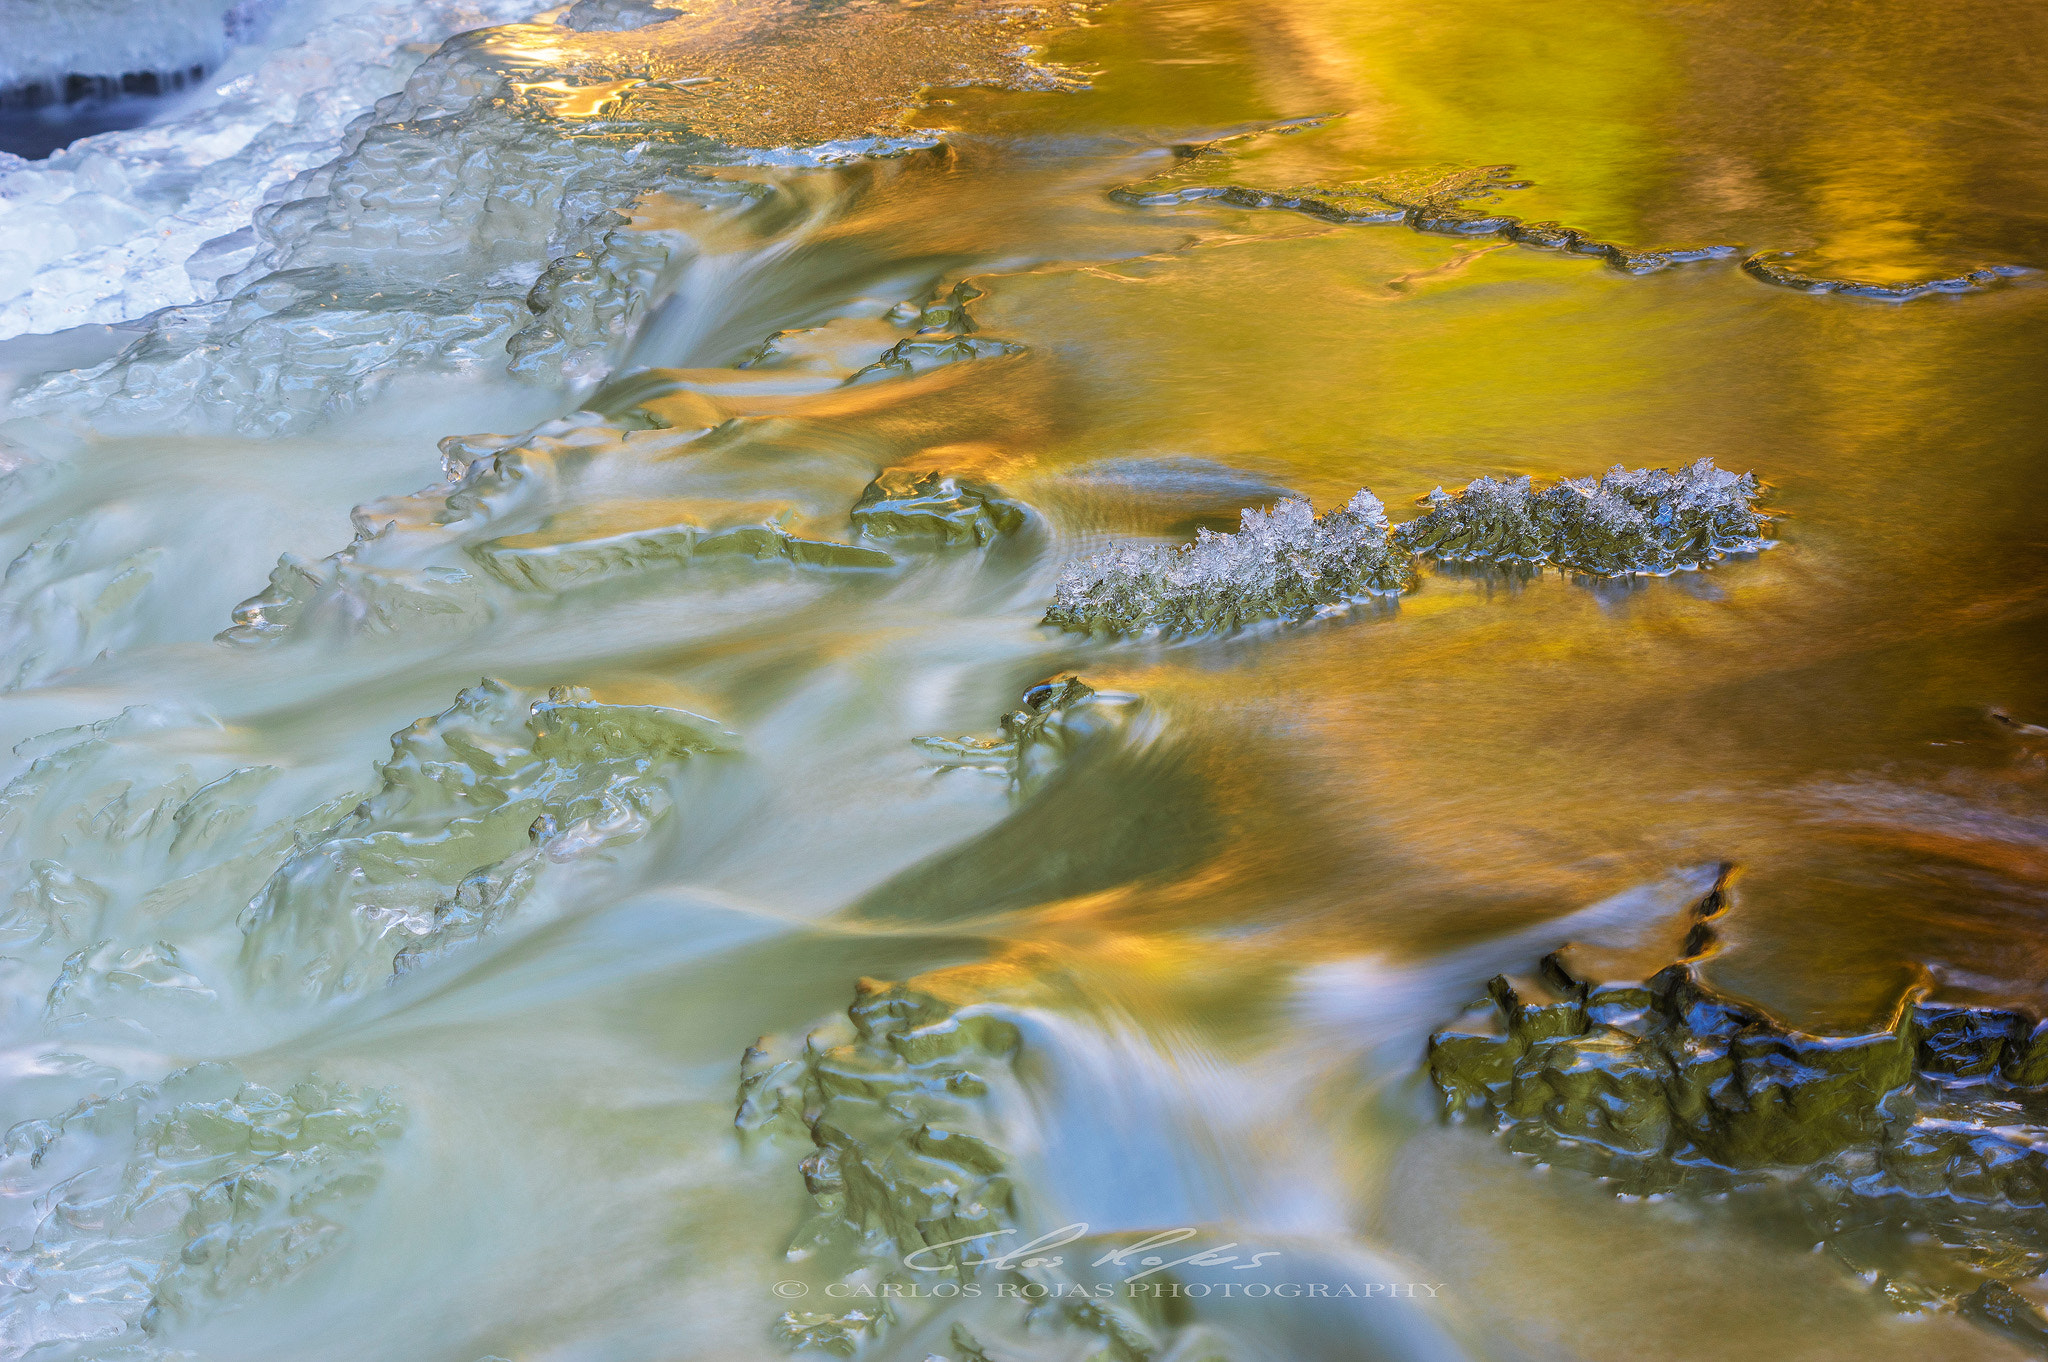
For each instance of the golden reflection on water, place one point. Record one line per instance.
(1516, 747)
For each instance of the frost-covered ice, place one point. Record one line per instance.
(1646, 520)
(122, 224)
(1288, 563)
(1284, 563)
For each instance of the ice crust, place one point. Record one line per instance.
(446, 237)
(1288, 563)
(125, 223)
(615, 16)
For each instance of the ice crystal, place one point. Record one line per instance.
(1647, 520)
(1282, 563)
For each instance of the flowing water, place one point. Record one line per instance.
(325, 1043)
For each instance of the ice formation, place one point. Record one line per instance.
(481, 211)
(125, 223)
(1058, 717)
(469, 812)
(1913, 1151)
(906, 358)
(1286, 563)
(139, 874)
(934, 508)
(1646, 520)
(166, 1200)
(579, 501)
(127, 845)
(676, 471)
(897, 1100)
(616, 16)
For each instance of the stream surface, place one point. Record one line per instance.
(324, 1044)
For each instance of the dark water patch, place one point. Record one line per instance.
(40, 118)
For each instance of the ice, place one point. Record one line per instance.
(164, 1199)
(1490, 521)
(122, 224)
(615, 16)
(1285, 563)
(472, 808)
(1060, 716)
(1646, 520)
(479, 212)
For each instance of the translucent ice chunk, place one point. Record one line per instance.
(471, 808)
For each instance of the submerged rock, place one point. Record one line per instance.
(1645, 520)
(1288, 563)
(1916, 1151)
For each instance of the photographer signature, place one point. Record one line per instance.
(1034, 1253)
